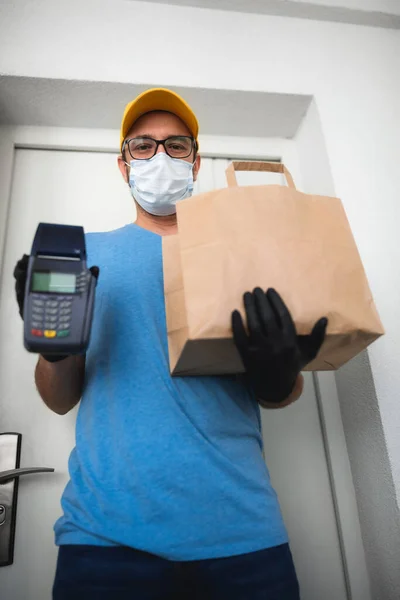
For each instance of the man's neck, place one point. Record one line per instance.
(160, 225)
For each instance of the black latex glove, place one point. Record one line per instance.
(20, 274)
(272, 352)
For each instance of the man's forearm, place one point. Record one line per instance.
(60, 384)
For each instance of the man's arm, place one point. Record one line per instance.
(60, 384)
(295, 395)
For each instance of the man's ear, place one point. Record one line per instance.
(123, 167)
(196, 167)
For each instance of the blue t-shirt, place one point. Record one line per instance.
(171, 466)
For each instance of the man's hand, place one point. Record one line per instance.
(20, 275)
(272, 352)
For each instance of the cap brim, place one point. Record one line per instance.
(158, 99)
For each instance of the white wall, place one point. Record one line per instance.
(7, 135)
(364, 437)
(352, 72)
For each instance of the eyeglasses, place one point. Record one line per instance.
(143, 148)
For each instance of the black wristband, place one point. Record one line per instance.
(54, 357)
(275, 396)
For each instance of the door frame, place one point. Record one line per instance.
(104, 140)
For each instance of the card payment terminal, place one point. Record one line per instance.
(59, 292)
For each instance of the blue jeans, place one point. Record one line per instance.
(119, 573)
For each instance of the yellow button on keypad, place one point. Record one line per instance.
(49, 333)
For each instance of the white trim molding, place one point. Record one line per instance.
(372, 13)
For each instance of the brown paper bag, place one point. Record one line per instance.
(237, 238)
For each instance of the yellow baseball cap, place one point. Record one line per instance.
(158, 99)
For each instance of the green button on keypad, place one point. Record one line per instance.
(63, 333)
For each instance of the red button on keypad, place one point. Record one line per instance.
(37, 332)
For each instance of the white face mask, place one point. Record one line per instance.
(159, 183)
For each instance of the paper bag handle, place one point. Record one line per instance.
(269, 167)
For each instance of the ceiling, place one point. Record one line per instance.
(65, 103)
(373, 13)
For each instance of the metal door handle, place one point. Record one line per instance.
(7, 476)
(10, 472)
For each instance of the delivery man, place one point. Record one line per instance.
(169, 496)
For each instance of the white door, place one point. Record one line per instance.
(86, 188)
